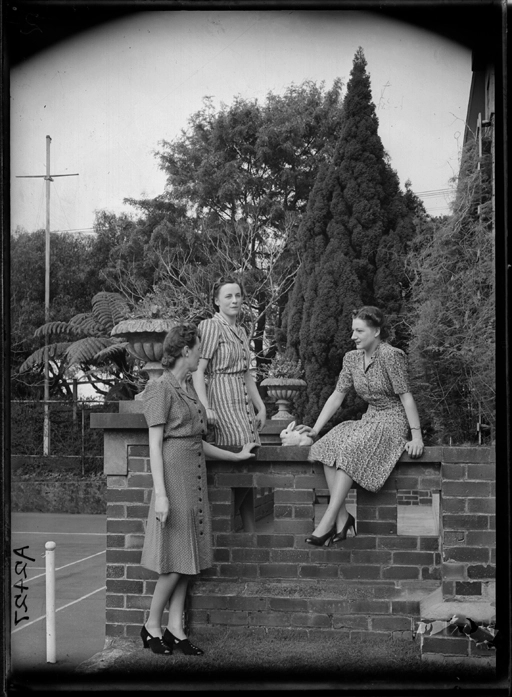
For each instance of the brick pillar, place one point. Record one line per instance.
(128, 584)
(469, 528)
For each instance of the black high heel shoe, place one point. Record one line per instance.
(319, 541)
(155, 643)
(186, 646)
(342, 534)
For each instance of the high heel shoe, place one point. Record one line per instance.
(342, 534)
(155, 643)
(186, 646)
(319, 541)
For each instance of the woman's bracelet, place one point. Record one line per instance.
(413, 428)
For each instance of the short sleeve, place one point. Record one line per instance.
(157, 398)
(395, 362)
(345, 379)
(210, 335)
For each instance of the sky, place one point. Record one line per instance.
(109, 95)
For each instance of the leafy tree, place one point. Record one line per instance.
(85, 344)
(353, 241)
(73, 279)
(453, 311)
(238, 180)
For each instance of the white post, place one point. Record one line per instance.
(51, 649)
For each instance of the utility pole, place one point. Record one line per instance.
(48, 178)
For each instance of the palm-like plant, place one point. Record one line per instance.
(86, 344)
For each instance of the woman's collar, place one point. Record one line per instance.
(222, 319)
(374, 354)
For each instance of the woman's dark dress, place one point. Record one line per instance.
(184, 545)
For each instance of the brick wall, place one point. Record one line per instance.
(469, 522)
(372, 583)
(274, 579)
(414, 497)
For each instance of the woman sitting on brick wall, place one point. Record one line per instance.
(233, 404)
(364, 451)
(178, 541)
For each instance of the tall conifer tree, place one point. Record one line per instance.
(353, 242)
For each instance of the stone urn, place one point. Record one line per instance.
(145, 338)
(282, 391)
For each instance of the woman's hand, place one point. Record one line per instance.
(162, 509)
(245, 453)
(307, 430)
(211, 417)
(261, 418)
(415, 447)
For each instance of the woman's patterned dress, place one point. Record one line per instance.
(227, 350)
(367, 450)
(184, 544)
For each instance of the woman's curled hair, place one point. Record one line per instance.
(177, 338)
(374, 318)
(223, 281)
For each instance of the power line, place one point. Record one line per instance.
(434, 192)
(77, 229)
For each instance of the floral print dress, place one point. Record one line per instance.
(368, 449)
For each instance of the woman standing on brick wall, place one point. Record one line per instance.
(232, 396)
(364, 451)
(178, 541)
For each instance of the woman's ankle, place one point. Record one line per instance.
(177, 631)
(154, 629)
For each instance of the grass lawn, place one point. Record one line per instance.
(240, 655)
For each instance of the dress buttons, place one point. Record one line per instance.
(200, 499)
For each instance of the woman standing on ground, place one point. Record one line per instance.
(364, 451)
(233, 403)
(178, 541)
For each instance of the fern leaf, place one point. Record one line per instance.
(109, 351)
(36, 359)
(108, 309)
(85, 350)
(86, 324)
(54, 328)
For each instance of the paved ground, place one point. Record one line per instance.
(80, 589)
